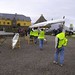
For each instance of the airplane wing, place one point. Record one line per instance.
(47, 23)
(3, 33)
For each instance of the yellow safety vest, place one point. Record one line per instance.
(35, 32)
(31, 33)
(62, 40)
(41, 35)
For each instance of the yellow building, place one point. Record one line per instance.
(14, 20)
(5, 22)
(23, 23)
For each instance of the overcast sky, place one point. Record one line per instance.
(34, 8)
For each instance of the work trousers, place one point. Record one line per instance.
(35, 39)
(59, 51)
(41, 43)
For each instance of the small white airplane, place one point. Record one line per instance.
(47, 23)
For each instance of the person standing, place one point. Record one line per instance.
(25, 32)
(41, 38)
(60, 42)
(35, 33)
(31, 33)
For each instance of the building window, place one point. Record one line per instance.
(8, 18)
(24, 23)
(3, 18)
(8, 23)
(18, 24)
(4, 23)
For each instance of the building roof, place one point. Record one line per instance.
(16, 16)
(41, 19)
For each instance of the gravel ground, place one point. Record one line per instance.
(30, 60)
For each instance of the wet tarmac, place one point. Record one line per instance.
(30, 60)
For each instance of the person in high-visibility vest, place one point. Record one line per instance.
(41, 38)
(31, 33)
(35, 33)
(60, 42)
